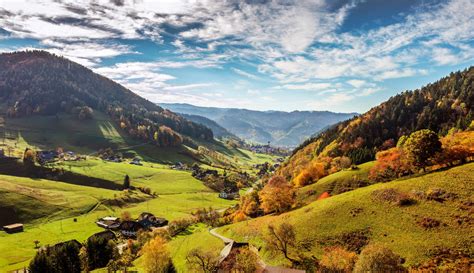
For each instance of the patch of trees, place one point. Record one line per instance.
(57, 259)
(420, 150)
(445, 104)
(39, 83)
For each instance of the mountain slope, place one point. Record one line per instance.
(39, 83)
(440, 106)
(217, 130)
(356, 218)
(280, 128)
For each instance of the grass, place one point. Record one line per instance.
(394, 226)
(59, 203)
(335, 183)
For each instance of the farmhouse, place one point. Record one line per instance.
(229, 195)
(130, 228)
(136, 161)
(109, 222)
(46, 156)
(106, 234)
(14, 228)
(149, 220)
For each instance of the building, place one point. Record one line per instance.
(149, 220)
(13, 228)
(46, 156)
(136, 161)
(276, 269)
(130, 228)
(106, 234)
(229, 195)
(108, 222)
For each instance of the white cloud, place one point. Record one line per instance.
(245, 74)
(306, 86)
(357, 83)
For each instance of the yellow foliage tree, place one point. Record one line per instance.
(156, 256)
(277, 195)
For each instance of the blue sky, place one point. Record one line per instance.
(337, 55)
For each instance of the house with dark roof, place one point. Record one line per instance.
(106, 234)
(130, 229)
(148, 220)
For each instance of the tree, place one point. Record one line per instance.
(421, 146)
(36, 242)
(126, 182)
(156, 256)
(377, 258)
(246, 261)
(84, 258)
(202, 261)
(277, 195)
(126, 216)
(40, 263)
(100, 251)
(29, 157)
(282, 239)
(338, 259)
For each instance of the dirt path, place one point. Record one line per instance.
(214, 233)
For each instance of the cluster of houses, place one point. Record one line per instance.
(44, 157)
(130, 228)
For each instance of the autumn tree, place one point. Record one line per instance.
(338, 259)
(202, 261)
(390, 164)
(421, 146)
(29, 156)
(277, 195)
(156, 256)
(377, 258)
(246, 261)
(126, 216)
(310, 174)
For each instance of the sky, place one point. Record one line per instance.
(336, 55)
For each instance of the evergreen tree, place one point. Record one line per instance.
(126, 182)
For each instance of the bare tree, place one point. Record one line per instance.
(203, 261)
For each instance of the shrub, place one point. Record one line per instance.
(377, 258)
(324, 195)
(337, 259)
(393, 196)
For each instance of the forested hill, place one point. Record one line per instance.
(39, 83)
(439, 106)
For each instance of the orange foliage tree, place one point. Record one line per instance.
(310, 174)
(457, 148)
(277, 195)
(390, 164)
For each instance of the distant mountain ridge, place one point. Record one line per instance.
(280, 128)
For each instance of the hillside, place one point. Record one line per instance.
(287, 129)
(435, 221)
(39, 83)
(217, 130)
(445, 104)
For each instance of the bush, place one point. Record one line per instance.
(393, 196)
(337, 259)
(377, 258)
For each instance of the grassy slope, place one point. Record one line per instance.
(394, 226)
(179, 194)
(334, 183)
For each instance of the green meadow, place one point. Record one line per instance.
(48, 208)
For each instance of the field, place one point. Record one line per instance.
(398, 227)
(48, 208)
